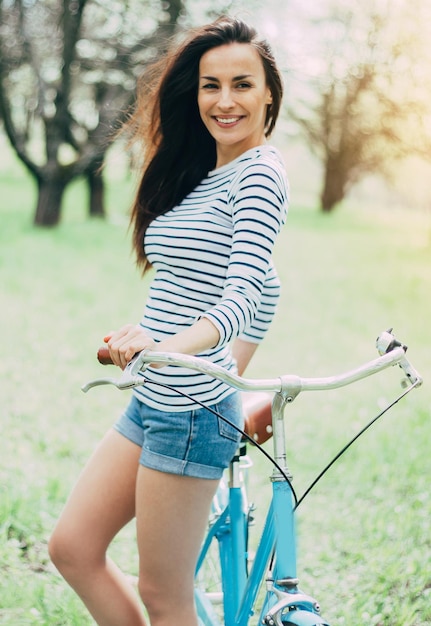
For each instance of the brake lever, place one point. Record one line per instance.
(128, 379)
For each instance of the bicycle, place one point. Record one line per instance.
(274, 563)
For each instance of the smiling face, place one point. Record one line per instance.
(233, 98)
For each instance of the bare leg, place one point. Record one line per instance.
(172, 513)
(102, 502)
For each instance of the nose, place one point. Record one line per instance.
(226, 100)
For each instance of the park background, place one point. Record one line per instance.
(348, 271)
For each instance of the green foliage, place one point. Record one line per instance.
(364, 538)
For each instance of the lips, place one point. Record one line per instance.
(227, 121)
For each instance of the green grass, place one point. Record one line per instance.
(364, 538)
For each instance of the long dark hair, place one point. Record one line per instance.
(179, 150)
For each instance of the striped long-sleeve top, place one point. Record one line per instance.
(213, 258)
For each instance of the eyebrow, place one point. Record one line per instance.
(235, 78)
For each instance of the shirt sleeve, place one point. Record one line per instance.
(266, 309)
(258, 199)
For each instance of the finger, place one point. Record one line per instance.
(126, 342)
(137, 344)
(116, 346)
(121, 332)
(118, 349)
(117, 342)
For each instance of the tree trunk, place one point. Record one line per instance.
(96, 187)
(50, 196)
(334, 187)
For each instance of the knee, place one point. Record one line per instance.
(150, 595)
(67, 551)
(60, 549)
(161, 599)
(155, 599)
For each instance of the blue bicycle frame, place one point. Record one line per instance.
(284, 603)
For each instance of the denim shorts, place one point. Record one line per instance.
(190, 443)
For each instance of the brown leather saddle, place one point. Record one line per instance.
(258, 415)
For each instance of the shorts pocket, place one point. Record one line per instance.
(228, 431)
(231, 409)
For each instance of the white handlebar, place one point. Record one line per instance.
(396, 354)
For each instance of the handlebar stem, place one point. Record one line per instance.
(290, 389)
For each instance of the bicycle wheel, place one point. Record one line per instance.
(208, 578)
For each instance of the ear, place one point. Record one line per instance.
(268, 97)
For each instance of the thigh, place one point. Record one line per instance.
(103, 499)
(172, 515)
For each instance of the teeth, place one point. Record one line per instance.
(227, 120)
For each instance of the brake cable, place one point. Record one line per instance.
(269, 457)
(352, 441)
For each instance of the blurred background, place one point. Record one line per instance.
(354, 259)
(356, 111)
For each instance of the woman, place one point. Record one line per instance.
(211, 201)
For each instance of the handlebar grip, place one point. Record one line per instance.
(103, 356)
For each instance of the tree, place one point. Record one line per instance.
(369, 98)
(67, 75)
